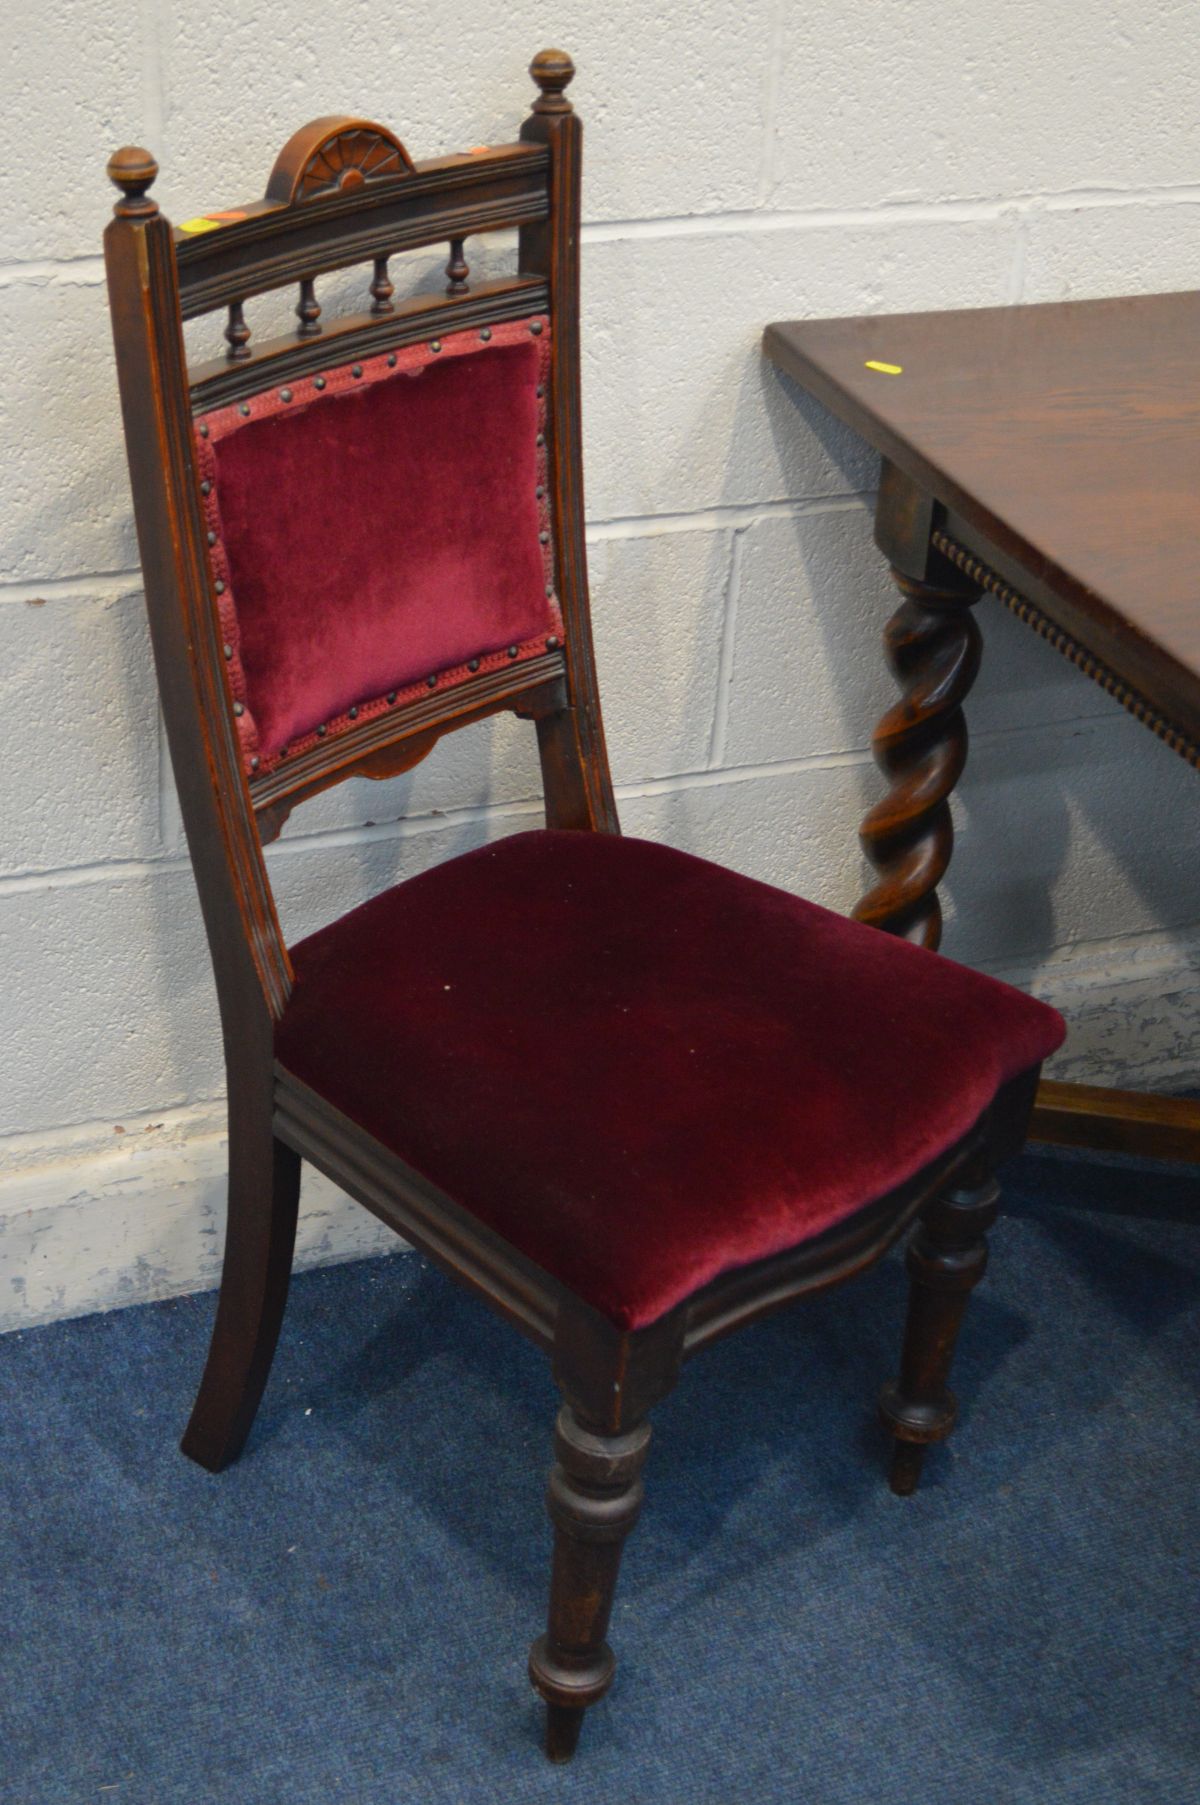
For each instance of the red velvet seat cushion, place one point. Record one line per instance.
(376, 528)
(642, 1069)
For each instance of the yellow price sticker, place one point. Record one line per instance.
(209, 222)
(884, 369)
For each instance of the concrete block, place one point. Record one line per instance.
(913, 103)
(808, 673)
(77, 699)
(673, 119)
(109, 1001)
(796, 829)
(658, 607)
(682, 411)
(1073, 253)
(145, 1220)
(65, 505)
(1066, 835)
(74, 93)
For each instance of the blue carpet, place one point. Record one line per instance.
(343, 1616)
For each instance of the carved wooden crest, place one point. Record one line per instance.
(336, 155)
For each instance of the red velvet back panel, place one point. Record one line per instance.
(380, 531)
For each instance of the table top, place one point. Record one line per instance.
(1063, 439)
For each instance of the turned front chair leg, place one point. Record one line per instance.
(947, 1257)
(933, 645)
(594, 1497)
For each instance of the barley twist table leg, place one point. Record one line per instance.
(933, 649)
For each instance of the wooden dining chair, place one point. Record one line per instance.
(631, 1099)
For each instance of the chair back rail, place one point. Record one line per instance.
(343, 191)
(278, 243)
(221, 380)
(393, 743)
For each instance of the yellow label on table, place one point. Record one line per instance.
(200, 224)
(884, 369)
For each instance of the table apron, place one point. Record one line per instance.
(978, 571)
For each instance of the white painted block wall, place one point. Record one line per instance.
(744, 162)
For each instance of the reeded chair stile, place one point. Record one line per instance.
(631, 1099)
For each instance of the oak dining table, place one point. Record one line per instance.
(1047, 455)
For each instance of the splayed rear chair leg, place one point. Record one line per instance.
(260, 1237)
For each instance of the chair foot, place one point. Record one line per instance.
(569, 1681)
(947, 1257)
(563, 1724)
(260, 1236)
(594, 1497)
(905, 1471)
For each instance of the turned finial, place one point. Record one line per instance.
(553, 71)
(133, 170)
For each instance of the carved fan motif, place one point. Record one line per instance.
(348, 161)
(334, 156)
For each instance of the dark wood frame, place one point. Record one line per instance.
(609, 1379)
